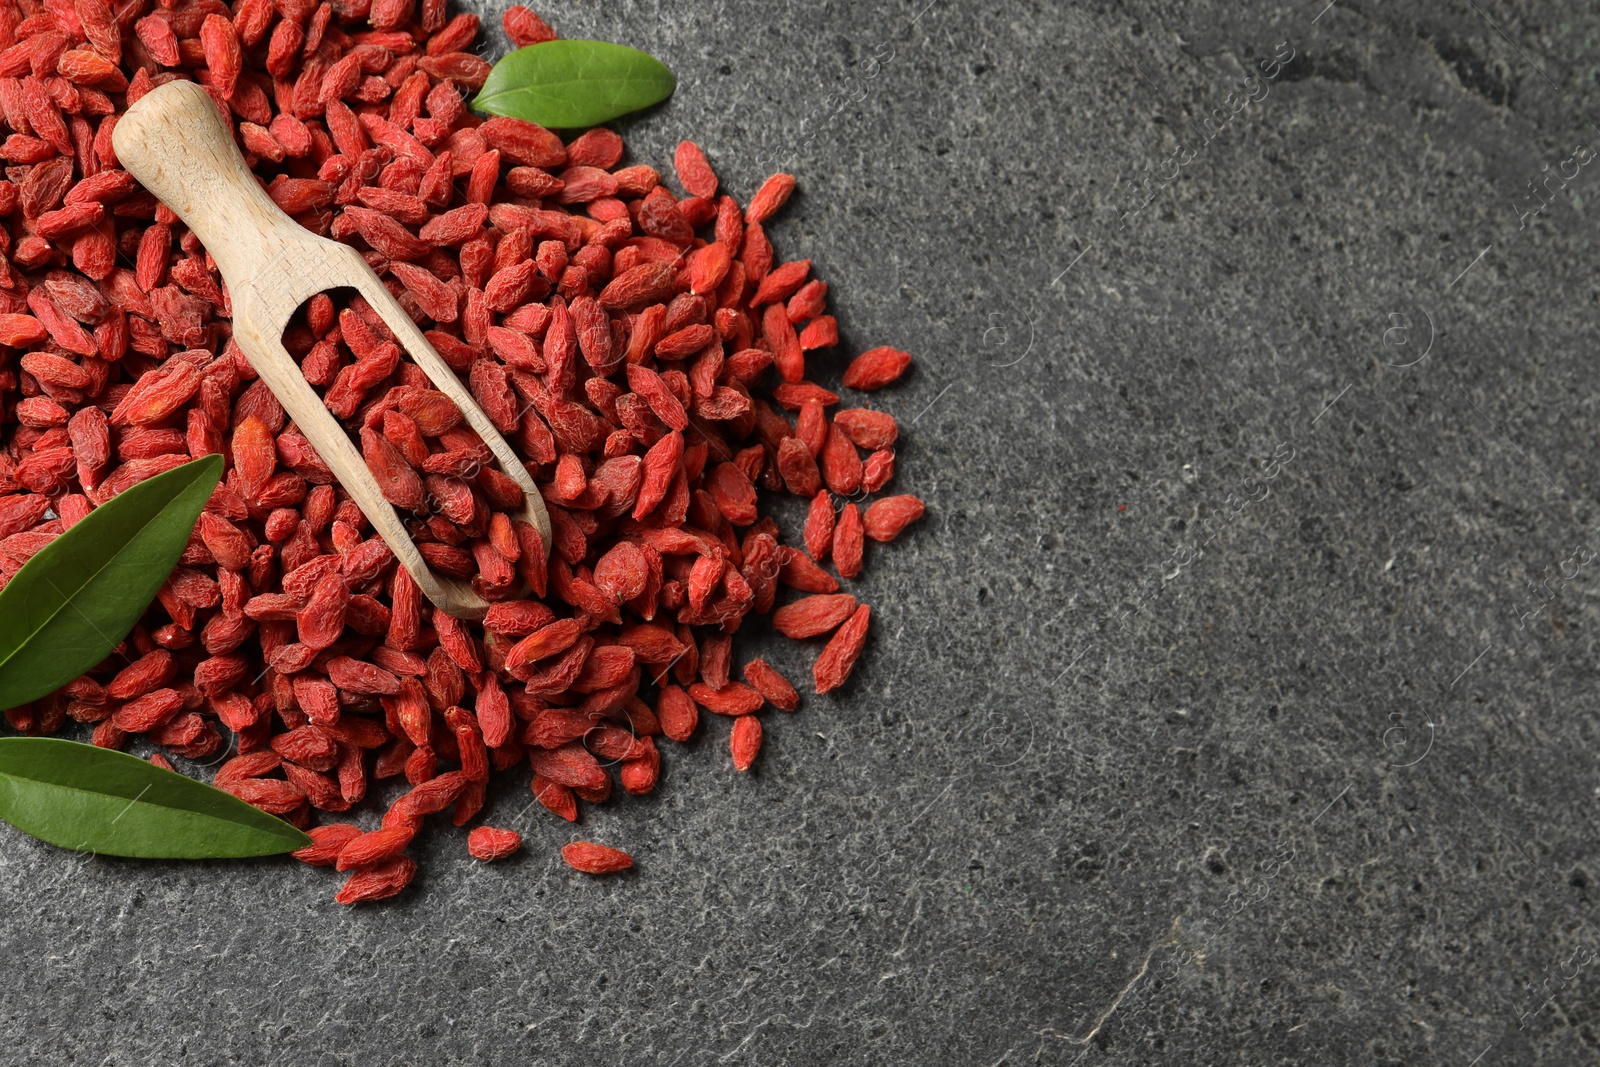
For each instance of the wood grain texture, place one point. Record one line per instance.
(175, 143)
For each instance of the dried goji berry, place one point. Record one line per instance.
(765, 679)
(745, 741)
(489, 843)
(847, 542)
(378, 883)
(813, 615)
(885, 518)
(590, 858)
(838, 659)
(693, 170)
(876, 368)
(772, 195)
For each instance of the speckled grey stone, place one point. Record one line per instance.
(1211, 715)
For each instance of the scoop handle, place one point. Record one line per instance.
(175, 142)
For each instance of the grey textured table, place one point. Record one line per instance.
(1216, 714)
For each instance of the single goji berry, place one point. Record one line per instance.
(590, 858)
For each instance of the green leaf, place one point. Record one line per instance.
(70, 605)
(96, 800)
(568, 85)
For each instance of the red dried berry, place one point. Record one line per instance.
(838, 659)
(693, 170)
(772, 195)
(847, 542)
(590, 858)
(378, 883)
(488, 843)
(813, 615)
(876, 368)
(731, 699)
(765, 679)
(523, 27)
(818, 531)
(379, 846)
(745, 741)
(877, 471)
(885, 518)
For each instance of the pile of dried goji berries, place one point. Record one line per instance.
(642, 350)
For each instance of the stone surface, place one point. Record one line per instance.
(1210, 717)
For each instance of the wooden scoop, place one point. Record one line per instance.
(175, 143)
